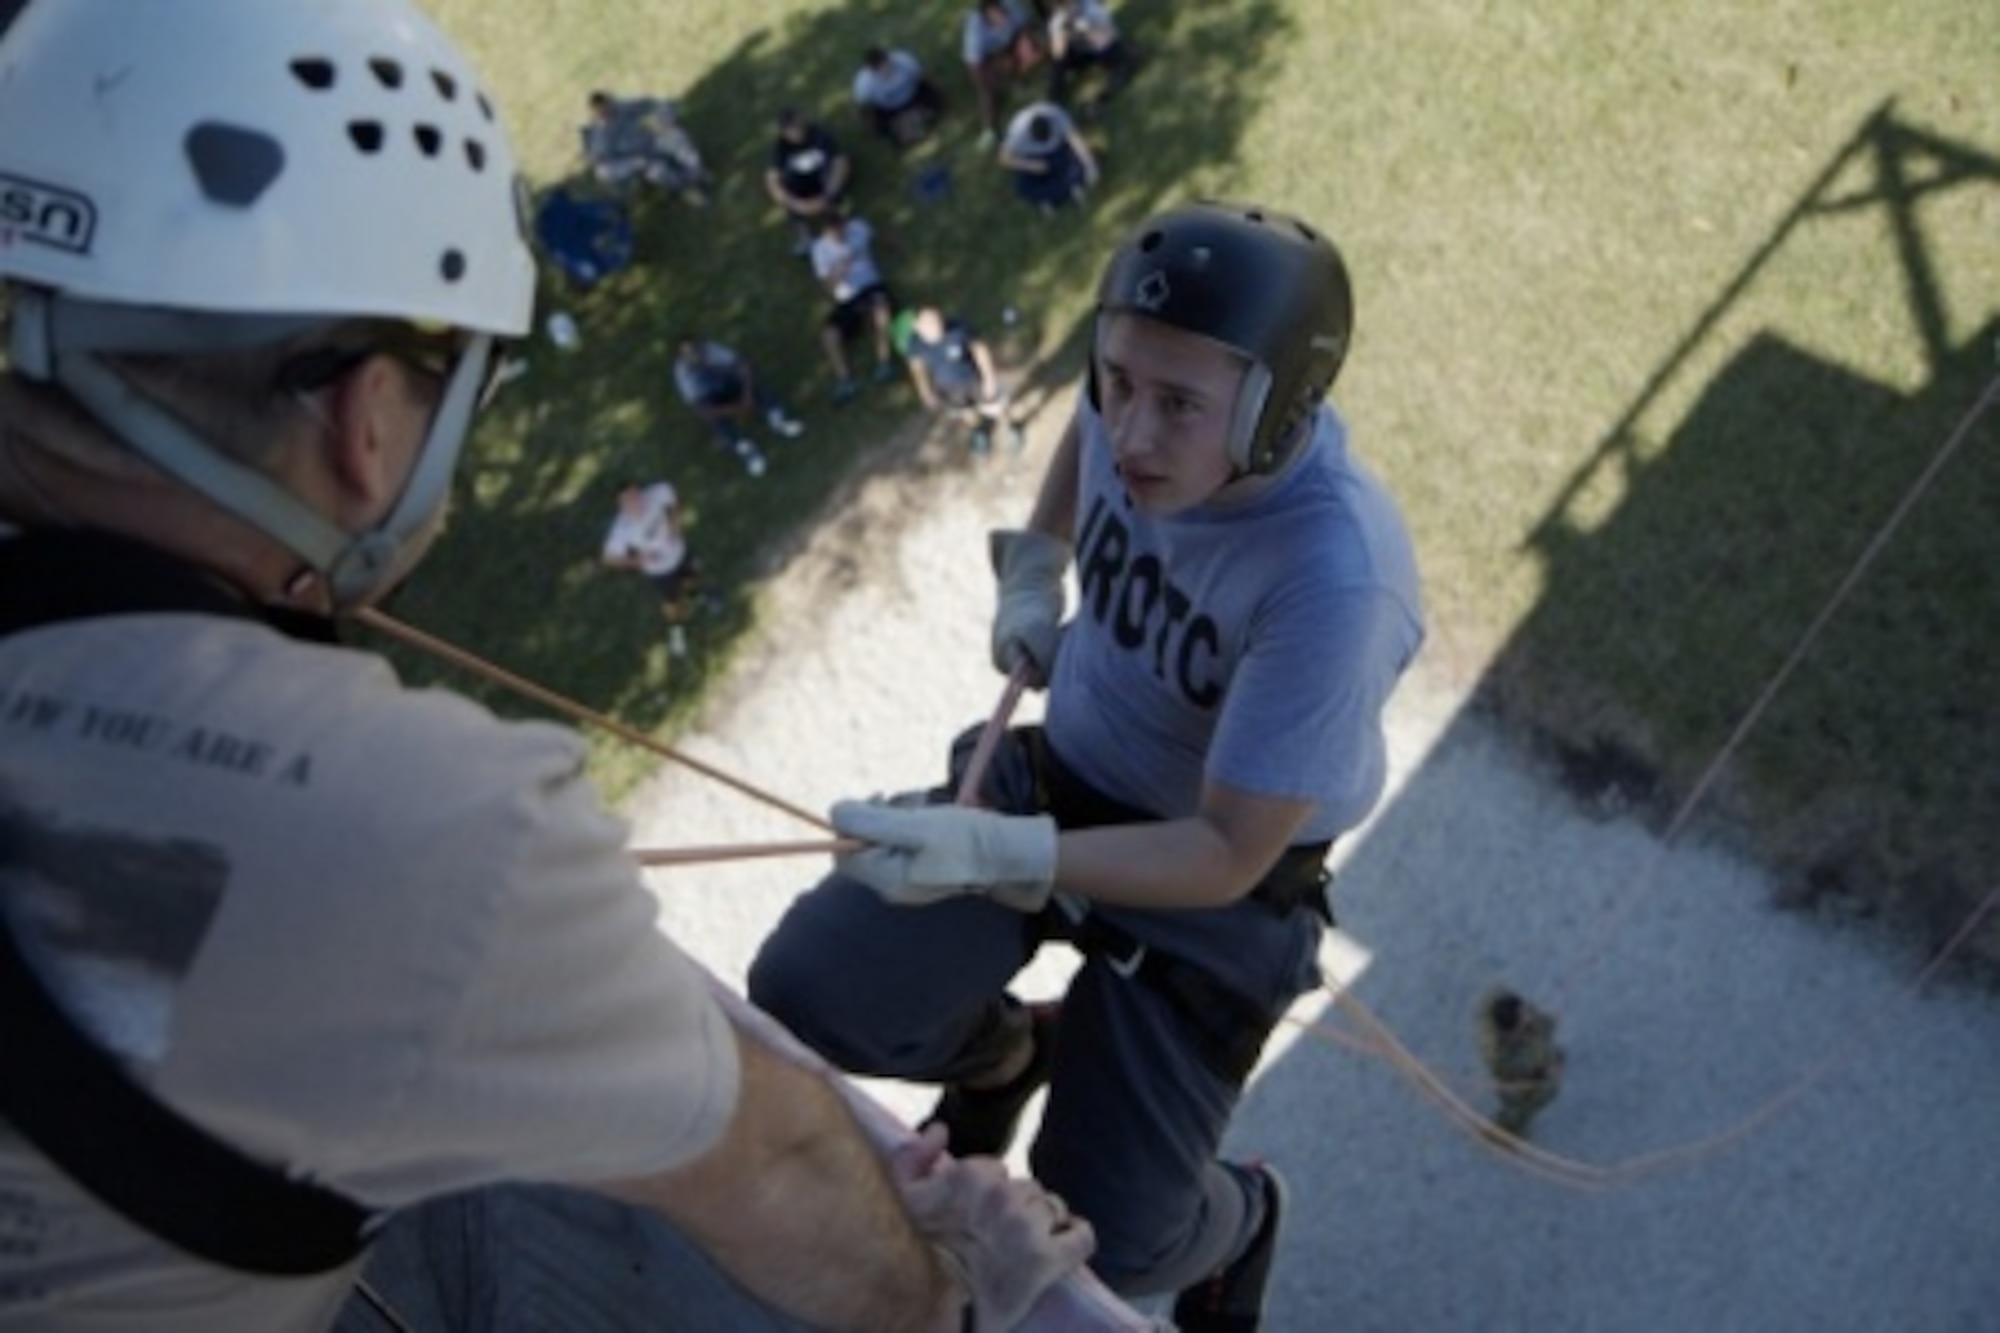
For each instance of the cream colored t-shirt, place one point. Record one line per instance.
(370, 933)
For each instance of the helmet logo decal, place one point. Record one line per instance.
(36, 213)
(1152, 292)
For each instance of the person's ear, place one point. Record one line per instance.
(369, 411)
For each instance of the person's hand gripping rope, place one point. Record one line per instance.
(1027, 618)
(919, 853)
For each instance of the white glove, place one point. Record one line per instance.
(918, 855)
(1027, 621)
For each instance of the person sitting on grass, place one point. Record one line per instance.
(1082, 36)
(642, 139)
(999, 44)
(647, 536)
(808, 174)
(953, 371)
(896, 97)
(721, 387)
(843, 260)
(1051, 165)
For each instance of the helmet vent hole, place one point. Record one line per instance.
(1307, 232)
(475, 154)
(485, 107)
(1255, 216)
(428, 140)
(447, 86)
(314, 73)
(452, 265)
(387, 72)
(366, 134)
(1151, 241)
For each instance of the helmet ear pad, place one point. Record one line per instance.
(1252, 397)
(1246, 452)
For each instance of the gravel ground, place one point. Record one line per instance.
(1776, 1138)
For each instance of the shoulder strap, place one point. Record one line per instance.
(49, 575)
(62, 1091)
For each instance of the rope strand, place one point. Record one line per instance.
(416, 638)
(1617, 915)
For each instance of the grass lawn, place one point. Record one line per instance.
(1663, 307)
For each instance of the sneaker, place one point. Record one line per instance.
(1233, 1300)
(883, 372)
(844, 390)
(754, 464)
(789, 427)
(677, 641)
(980, 1122)
(982, 441)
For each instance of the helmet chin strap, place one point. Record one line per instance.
(355, 566)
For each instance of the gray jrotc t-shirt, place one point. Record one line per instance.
(1252, 643)
(368, 933)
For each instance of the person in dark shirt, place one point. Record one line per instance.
(953, 371)
(808, 174)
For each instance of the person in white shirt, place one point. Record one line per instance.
(316, 946)
(843, 259)
(1083, 36)
(647, 536)
(998, 43)
(896, 97)
(1050, 163)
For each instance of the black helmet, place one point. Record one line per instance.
(1255, 280)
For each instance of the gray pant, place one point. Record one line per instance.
(1134, 1115)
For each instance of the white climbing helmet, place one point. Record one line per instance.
(187, 175)
(294, 157)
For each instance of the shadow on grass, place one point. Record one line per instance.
(516, 577)
(1871, 780)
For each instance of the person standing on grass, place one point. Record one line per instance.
(720, 386)
(843, 259)
(953, 372)
(287, 946)
(1248, 601)
(647, 536)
